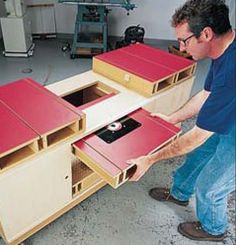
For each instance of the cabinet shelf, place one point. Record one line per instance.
(82, 177)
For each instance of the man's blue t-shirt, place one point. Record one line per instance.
(218, 113)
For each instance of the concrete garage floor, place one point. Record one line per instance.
(126, 216)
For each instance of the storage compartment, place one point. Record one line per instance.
(187, 73)
(61, 134)
(18, 155)
(82, 177)
(92, 94)
(165, 83)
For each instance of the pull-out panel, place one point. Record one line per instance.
(144, 69)
(47, 114)
(106, 152)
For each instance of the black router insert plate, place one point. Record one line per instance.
(127, 125)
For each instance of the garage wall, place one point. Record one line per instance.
(2, 13)
(153, 15)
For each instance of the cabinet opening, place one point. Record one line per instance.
(130, 171)
(184, 74)
(82, 177)
(16, 156)
(59, 135)
(92, 94)
(164, 83)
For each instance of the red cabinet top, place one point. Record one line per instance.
(13, 131)
(39, 109)
(146, 62)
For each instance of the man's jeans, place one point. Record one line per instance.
(209, 171)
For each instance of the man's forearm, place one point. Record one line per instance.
(182, 145)
(191, 108)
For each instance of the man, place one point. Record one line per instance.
(203, 30)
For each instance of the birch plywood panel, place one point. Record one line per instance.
(34, 190)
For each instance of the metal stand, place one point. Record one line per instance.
(89, 16)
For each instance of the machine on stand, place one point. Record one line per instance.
(16, 30)
(90, 35)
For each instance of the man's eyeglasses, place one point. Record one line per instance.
(184, 41)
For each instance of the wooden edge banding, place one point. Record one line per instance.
(94, 166)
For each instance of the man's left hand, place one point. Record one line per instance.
(143, 164)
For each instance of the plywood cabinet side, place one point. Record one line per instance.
(171, 100)
(34, 190)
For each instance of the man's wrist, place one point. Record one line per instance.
(151, 159)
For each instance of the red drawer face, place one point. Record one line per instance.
(107, 150)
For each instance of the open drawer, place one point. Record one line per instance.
(107, 150)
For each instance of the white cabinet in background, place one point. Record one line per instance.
(16, 34)
(43, 19)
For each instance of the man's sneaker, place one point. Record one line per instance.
(163, 194)
(194, 231)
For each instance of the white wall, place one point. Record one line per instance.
(2, 13)
(231, 4)
(153, 15)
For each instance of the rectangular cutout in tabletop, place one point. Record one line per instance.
(89, 95)
(108, 159)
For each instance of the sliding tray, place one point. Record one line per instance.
(142, 68)
(106, 152)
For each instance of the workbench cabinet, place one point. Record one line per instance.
(34, 190)
(40, 189)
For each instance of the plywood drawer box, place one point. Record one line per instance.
(144, 69)
(106, 151)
